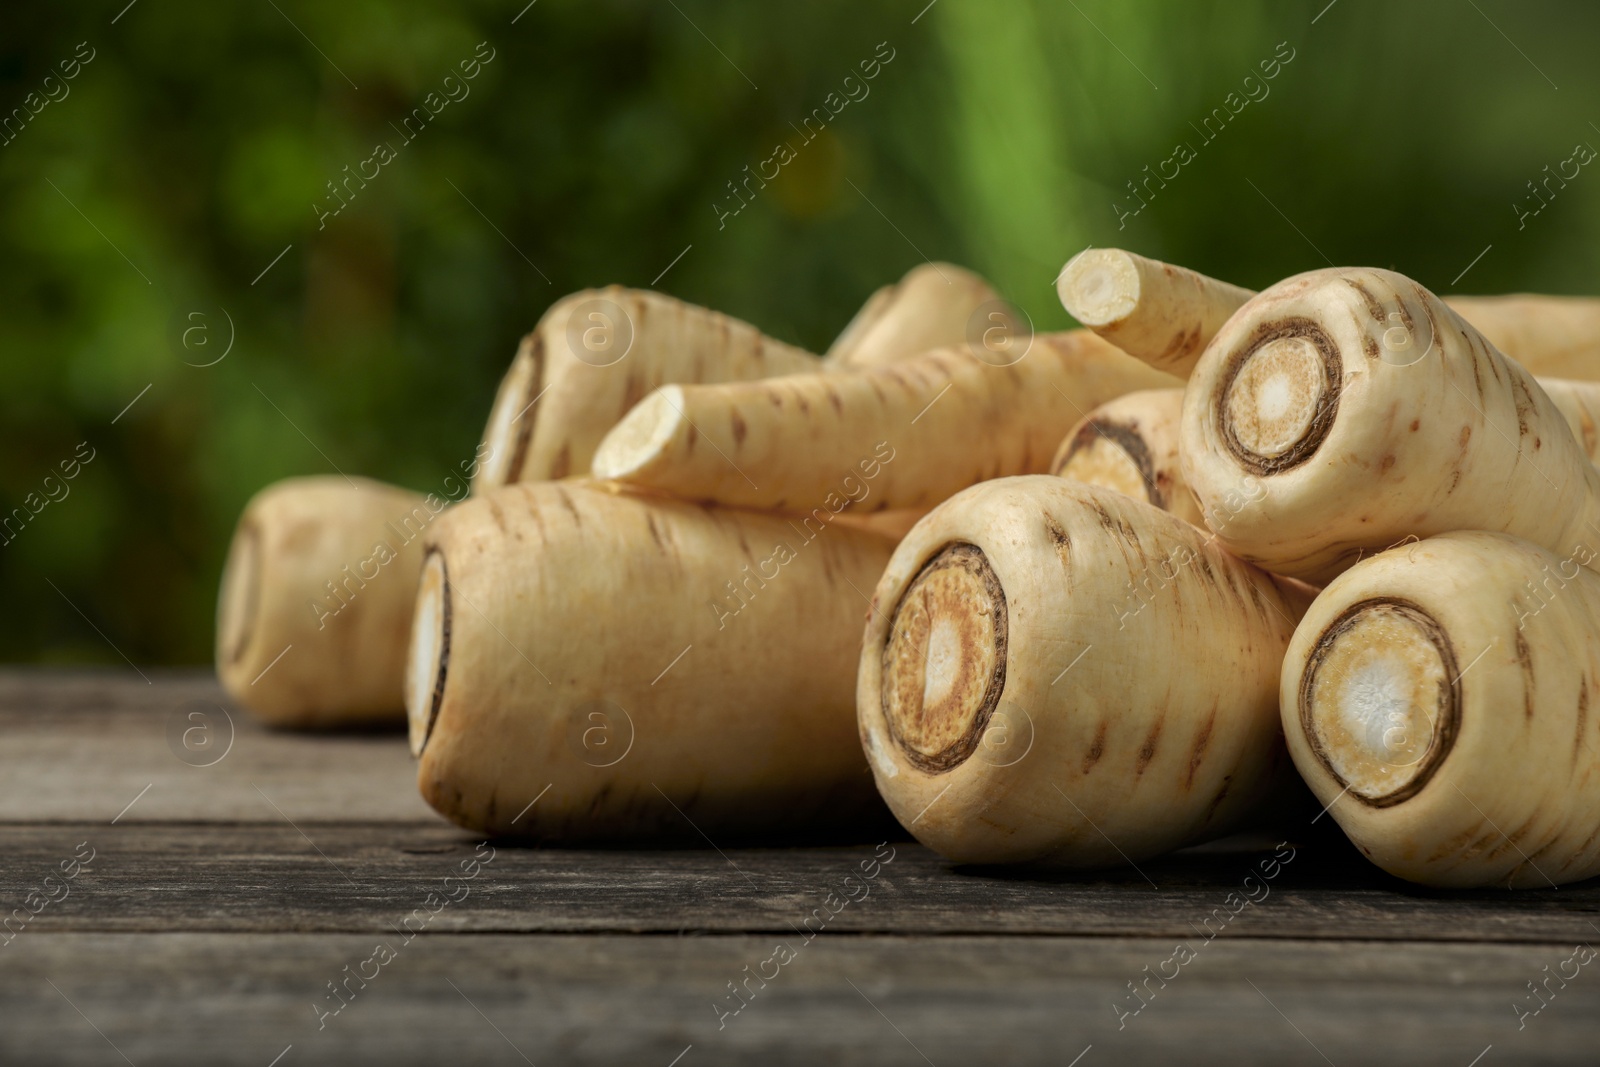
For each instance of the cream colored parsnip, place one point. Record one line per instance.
(1316, 430)
(1557, 336)
(935, 305)
(1130, 444)
(626, 665)
(936, 423)
(1166, 315)
(1055, 673)
(1579, 404)
(891, 524)
(1444, 699)
(316, 599)
(593, 355)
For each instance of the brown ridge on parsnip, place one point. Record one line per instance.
(248, 534)
(524, 434)
(444, 650)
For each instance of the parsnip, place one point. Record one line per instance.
(316, 598)
(1444, 699)
(1557, 336)
(1056, 673)
(891, 524)
(904, 435)
(1166, 315)
(593, 355)
(936, 305)
(647, 662)
(1579, 404)
(1317, 430)
(1130, 444)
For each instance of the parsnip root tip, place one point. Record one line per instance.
(1279, 396)
(1099, 286)
(429, 659)
(1379, 700)
(241, 594)
(641, 435)
(944, 663)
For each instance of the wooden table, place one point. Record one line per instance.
(223, 902)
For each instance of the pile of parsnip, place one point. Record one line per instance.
(1118, 584)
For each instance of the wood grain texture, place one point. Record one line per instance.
(79, 746)
(348, 879)
(241, 999)
(219, 907)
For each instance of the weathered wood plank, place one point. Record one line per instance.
(239, 999)
(80, 746)
(368, 878)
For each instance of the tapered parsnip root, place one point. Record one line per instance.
(593, 355)
(1130, 444)
(1556, 336)
(1579, 404)
(936, 305)
(1167, 315)
(1443, 699)
(1162, 314)
(316, 599)
(1055, 673)
(904, 435)
(891, 524)
(638, 668)
(1317, 430)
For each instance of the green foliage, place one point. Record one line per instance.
(191, 150)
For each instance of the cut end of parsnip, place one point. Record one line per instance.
(241, 594)
(944, 663)
(639, 438)
(1113, 456)
(429, 657)
(1378, 703)
(1099, 286)
(511, 421)
(1279, 396)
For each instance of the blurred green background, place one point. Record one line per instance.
(162, 180)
